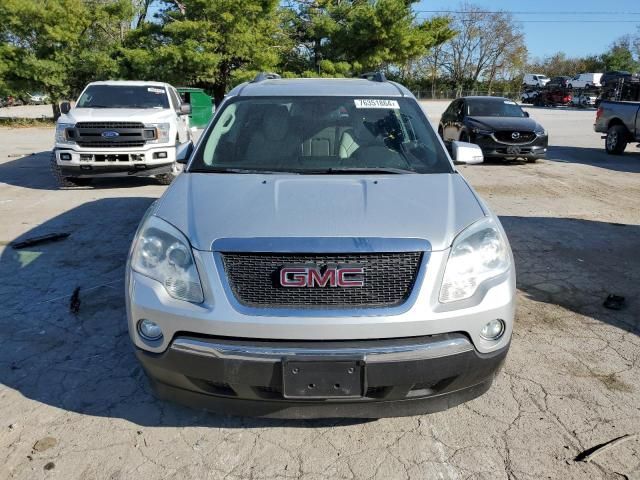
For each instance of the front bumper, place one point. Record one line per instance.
(245, 377)
(493, 148)
(114, 162)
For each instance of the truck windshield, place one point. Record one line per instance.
(321, 135)
(123, 96)
(493, 108)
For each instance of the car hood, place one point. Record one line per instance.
(523, 124)
(207, 207)
(145, 115)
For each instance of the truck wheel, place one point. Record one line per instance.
(167, 178)
(616, 140)
(176, 168)
(66, 182)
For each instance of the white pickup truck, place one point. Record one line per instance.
(120, 128)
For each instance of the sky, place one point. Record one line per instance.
(608, 20)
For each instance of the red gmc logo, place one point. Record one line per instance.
(301, 276)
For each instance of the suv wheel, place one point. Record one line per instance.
(66, 182)
(616, 140)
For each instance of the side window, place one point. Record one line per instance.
(175, 99)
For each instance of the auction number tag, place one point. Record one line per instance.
(376, 103)
(155, 90)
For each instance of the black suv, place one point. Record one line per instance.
(558, 82)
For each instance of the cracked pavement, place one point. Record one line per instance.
(74, 403)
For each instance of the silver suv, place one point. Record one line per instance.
(320, 256)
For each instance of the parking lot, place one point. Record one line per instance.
(74, 402)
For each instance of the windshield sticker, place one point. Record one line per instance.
(376, 103)
(155, 90)
(509, 102)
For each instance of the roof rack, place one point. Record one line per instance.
(374, 76)
(262, 76)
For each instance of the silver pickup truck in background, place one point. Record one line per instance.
(621, 123)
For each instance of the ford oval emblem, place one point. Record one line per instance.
(110, 134)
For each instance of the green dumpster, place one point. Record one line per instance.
(201, 105)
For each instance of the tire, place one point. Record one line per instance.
(66, 182)
(616, 140)
(570, 85)
(464, 137)
(532, 160)
(176, 168)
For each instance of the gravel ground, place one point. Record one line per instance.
(74, 403)
(27, 111)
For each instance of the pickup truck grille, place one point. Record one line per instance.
(127, 134)
(388, 280)
(506, 136)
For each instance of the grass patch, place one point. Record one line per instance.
(26, 122)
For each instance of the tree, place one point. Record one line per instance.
(487, 44)
(58, 46)
(620, 55)
(347, 37)
(205, 43)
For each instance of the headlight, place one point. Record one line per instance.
(541, 132)
(61, 133)
(162, 132)
(163, 253)
(481, 131)
(478, 254)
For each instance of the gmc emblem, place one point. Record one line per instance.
(302, 276)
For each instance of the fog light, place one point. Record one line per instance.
(149, 330)
(493, 330)
(65, 156)
(160, 155)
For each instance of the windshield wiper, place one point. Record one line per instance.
(239, 170)
(356, 170)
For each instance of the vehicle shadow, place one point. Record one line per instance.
(84, 362)
(576, 264)
(34, 172)
(597, 157)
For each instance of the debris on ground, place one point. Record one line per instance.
(74, 302)
(592, 452)
(49, 237)
(44, 444)
(50, 466)
(614, 302)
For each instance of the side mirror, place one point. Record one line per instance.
(526, 114)
(467, 153)
(65, 107)
(183, 152)
(185, 109)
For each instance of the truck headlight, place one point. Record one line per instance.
(162, 252)
(478, 254)
(61, 133)
(162, 132)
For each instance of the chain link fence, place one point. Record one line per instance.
(444, 94)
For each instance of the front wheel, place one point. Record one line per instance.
(616, 140)
(167, 178)
(66, 182)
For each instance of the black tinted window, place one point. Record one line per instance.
(493, 108)
(315, 134)
(123, 96)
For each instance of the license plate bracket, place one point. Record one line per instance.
(322, 379)
(513, 150)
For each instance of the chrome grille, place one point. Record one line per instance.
(507, 136)
(388, 280)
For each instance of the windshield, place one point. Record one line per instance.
(493, 108)
(321, 135)
(123, 96)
